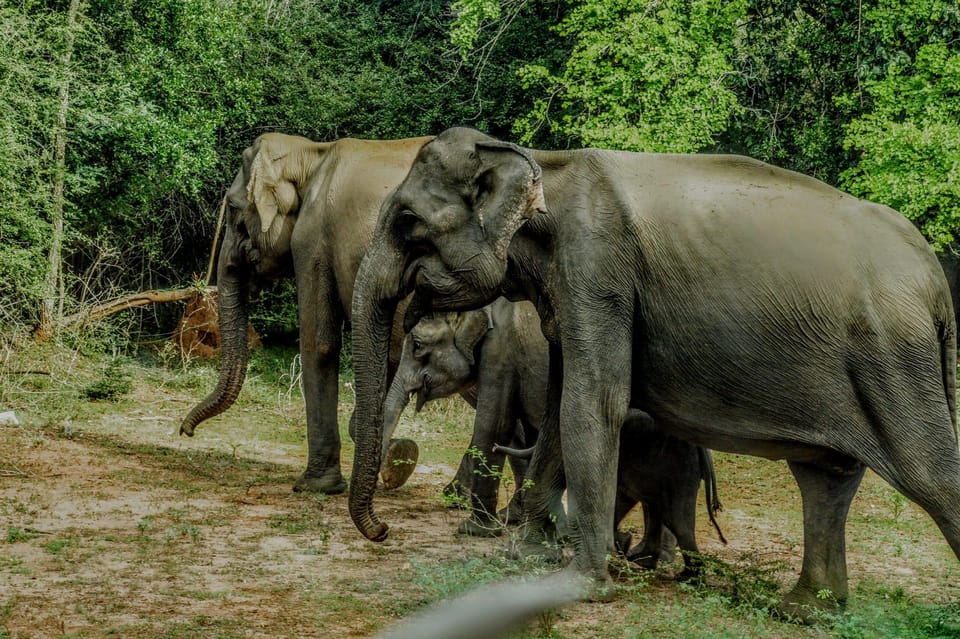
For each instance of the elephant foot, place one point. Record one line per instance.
(330, 482)
(481, 526)
(621, 541)
(643, 558)
(456, 495)
(399, 463)
(540, 544)
(512, 513)
(801, 605)
(599, 587)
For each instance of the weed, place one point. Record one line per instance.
(183, 530)
(7, 607)
(450, 578)
(897, 503)
(57, 546)
(893, 614)
(307, 519)
(113, 385)
(12, 564)
(15, 535)
(749, 587)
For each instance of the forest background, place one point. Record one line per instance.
(122, 121)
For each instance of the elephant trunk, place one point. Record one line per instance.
(397, 399)
(233, 292)
(374, 302)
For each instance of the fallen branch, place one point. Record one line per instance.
(129, 301)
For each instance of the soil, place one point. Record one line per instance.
(115, 527)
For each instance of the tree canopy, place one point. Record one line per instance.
(152, 102)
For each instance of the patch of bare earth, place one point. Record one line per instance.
(107, 536)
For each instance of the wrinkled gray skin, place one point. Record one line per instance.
(664, 474)
(307, 209)
(496, 358)
(746, 308)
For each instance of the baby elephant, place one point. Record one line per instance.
(663, 473)
(497, 359)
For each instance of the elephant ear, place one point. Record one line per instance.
(508, 190)
(469, 328)
(273, 194)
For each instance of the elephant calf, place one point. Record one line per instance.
(647, 458)
(496, 358)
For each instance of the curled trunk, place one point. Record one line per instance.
(233, 295)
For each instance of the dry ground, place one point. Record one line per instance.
(112, 526)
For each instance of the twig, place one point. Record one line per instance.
(216, 241)
(13, 471)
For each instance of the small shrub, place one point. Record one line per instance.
(114, 384)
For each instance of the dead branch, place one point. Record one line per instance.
(131, 300)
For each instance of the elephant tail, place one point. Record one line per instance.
(519, 453)
(710, 488)
(948, 365)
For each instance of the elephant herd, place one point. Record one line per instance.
(628, 312)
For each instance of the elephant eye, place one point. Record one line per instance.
(410, 227)
(418, 352)
(483, 185)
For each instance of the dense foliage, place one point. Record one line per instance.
(161, 96)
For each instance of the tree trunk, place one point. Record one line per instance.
(51, 305)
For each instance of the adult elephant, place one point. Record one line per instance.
(746, 308)
(306, 208)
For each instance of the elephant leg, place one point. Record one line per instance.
(826, 494)
(543, 513)
(596, 397)
(483, 521)
(457, 492)
(682, 523)
(512, 512)
(646, 554)
(320, 342)
(495, 422)
(913, 435)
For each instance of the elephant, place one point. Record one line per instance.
(308, 209)
(744, 307)
(664, 474)
(496, 357)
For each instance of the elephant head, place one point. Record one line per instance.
(443, 234)
(438, 360)
(262, 206)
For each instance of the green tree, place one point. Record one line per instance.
(793, 60)
(24, 104)
(908, 143)
(642, 75)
